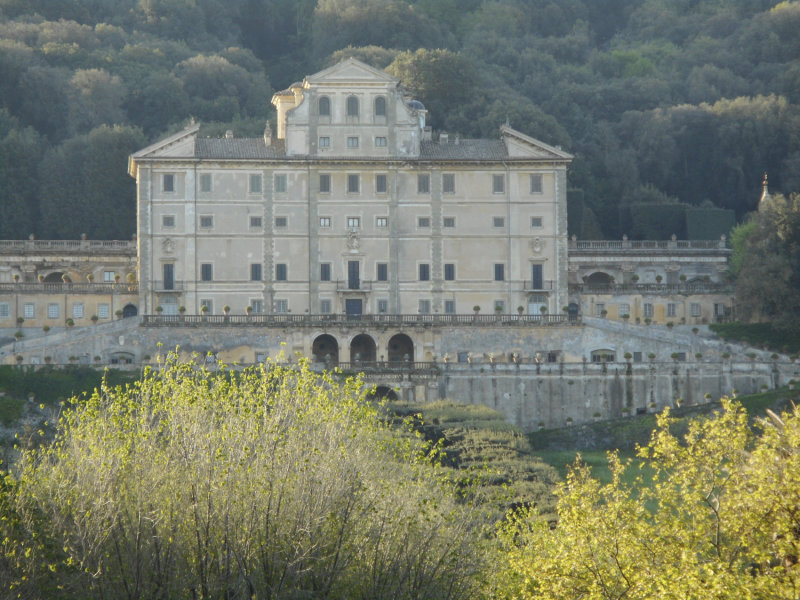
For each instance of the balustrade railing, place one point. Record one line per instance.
(652, 288)
(69, 288)
(646, 245)
(331, 320)
(112, 246)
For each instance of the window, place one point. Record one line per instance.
(255, 222)
(324, 141)
(647, 309)
(77, 310)
(208, 304)
(449, 222)
(352, 142)
(353, 222)
(206, 221)
(53, 310)
(168, 220)
(536, 222)
(423, 222)
(5, 310)
(280, 184)
(499, 272)
(352, 106)
(449, 272)
(325, 272)
(324, 106)
(205, 182)
(325, 307)
(281, 221)
(624, 309)
(719, 309)
(108, 276)
(423, 183)
(324, 183)
(670, 309)
(255, 184)
(280, 272)
(380, 184)
(383, 306)
(600, 356)
(450, 307)
(448, 183)
(381, 221)
(499, 306)
(380, 142)
(637, 357)
(380, 106)
(694, 307)
(255, 272)
(353, 184)
(103, 311)
(206, 272)
(382, 272)
(498, 184)
(257, 306)
(536, 184)
(29, 310)
(281, 306)
(599, 309)
(324, 221)
(498, 221)
(537, 279)
(168, 182)
(424, 307)
(424, 272)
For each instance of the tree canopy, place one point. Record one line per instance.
(271, 482)
(712, 515)
(693, 100)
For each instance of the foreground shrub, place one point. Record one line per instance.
(269, 483)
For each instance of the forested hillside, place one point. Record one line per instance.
(666, 104)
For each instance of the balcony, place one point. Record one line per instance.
(353, 286)
(538, 286)
(168, 286)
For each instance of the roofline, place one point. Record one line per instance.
(508, 130)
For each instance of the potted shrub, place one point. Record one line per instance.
(682, 278)
(90, 278)
(651, 356)
(70, 322)
(94, 319)
(97, 359)
(659, 278)
(647, 320)
(651, 406)
(670, 324)
(226, 309)
(707, 396)
(625, 317)
(248, 309)
(48, 359)
(634, 278)
(569, 421)
(695, 330)
(45, 328)
(540, 425)
(65, 278)
(159, 309)
(19, 335)
(19, 359)
(520, 310)
(118, 313)
(674, 356)
(698, 355)
(625, 411)
(628, 356)
(40, 278)
(476, 309)
(543, 310)
(181, 309)
(596, 416)
(130, 277)
(117, 277)
(16, 277)
(20, 320)
(726, 355)
(603, 313)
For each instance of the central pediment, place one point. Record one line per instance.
(350, 71)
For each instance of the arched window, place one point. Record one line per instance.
(324, 106)
(352, 106)
(380, 106)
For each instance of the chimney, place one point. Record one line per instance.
(268, 134)
(229, 134)
(443, 137)
(458, 139)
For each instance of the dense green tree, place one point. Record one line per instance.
(20, 153)
(767, 264)
(272, 482)
(85, 187)
(718, 518)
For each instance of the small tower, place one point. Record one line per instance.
(765, 197)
